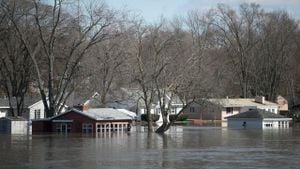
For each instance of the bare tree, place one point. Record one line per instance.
(237, 34)
(15, 63)
(65, 36)
(275, 48)
(105, 67)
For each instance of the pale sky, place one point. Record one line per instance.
(152, 10)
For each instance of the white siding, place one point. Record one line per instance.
(3, 113)
(273, 109)
(38, 106)
(19, 127)
(236, 110)
(276, 123)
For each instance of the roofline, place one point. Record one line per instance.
(284, 118)
(6, 107)
(42, 102)
(74, 110)
(86, 114)
(34, 104)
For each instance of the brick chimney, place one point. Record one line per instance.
(260, 99)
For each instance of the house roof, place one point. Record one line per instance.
(107, 114)
(100, 114)
(11, 118)
(256, 114)
(28, 101)
(240, 102)
(129, 113)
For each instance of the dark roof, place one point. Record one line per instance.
(257, 114)
(28, 101)
(18, 118)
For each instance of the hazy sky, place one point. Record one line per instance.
(151, 10)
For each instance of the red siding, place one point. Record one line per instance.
(76, 125)
(77, 118)
(41, 126)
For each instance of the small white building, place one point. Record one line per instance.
(13, 125)
(258, 118)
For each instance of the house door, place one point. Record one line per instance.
(63, 127)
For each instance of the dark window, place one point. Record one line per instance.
(87, 127)
(192, 109)
(37, 114)
(229, 110)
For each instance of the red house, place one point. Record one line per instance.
(91, 121)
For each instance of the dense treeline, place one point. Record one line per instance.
(63, 47)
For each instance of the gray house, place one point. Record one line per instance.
(258, 118)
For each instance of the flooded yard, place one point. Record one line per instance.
(182, 147)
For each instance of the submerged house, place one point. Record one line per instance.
(13, 125)
(91, 121)
(220, 109)
(258, 118)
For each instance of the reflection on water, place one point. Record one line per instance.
(181, 147)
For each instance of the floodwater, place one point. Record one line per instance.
(182, 147)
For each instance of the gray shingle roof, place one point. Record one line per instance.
(257, 113)
(28, 101)
(107, 114)
(100, 114)
(240, 102)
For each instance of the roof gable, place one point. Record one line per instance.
(69, 111)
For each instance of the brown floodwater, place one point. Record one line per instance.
(182, 147)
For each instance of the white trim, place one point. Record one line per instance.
(42, 103)
(277, 119)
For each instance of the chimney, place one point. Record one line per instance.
(260, 99)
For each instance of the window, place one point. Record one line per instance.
(273, 110)
(87, 127)
(192, 109)
(37, 114)
(173, 110)
(98, 128)
(229, 110)
(268, 125)
(58, 127)
(63, 127)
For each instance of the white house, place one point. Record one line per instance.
(176, 106)
(33, 108)
(258, 118)
(37, 110)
